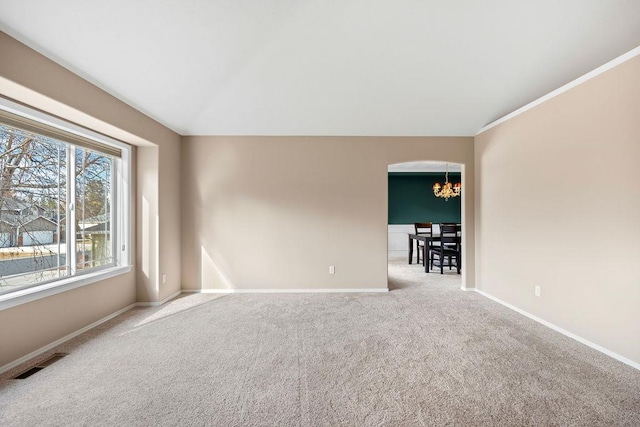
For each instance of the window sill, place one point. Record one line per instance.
(24, 296)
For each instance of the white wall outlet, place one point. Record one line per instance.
(332, 269)
(164, 278)
(537, 291)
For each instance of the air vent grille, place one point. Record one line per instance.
(28, 373)
(40, 366)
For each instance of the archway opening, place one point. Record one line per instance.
(411, 200)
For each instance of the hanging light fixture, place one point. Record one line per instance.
(447, 190)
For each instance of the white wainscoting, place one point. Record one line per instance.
(397, 240)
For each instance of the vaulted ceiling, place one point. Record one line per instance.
(349, 67)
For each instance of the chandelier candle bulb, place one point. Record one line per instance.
(447, 190)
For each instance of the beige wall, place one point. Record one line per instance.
(559, 207)
(32, 79)
(276, 212)
(147, 223)
(322, 201)
(28, 327)
(169, 208)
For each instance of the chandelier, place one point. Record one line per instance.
(447, 190)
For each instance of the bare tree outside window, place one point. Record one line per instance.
(93, 209)
(35, 173)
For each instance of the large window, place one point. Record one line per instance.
(63, 200)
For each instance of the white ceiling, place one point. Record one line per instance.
(350, 67)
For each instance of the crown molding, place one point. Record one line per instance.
(609, 65)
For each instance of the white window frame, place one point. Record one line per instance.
(122, 186)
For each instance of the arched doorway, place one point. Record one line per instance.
(411, 199)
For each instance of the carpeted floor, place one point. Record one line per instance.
(425, 353)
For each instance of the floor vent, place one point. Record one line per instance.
(28, 373)
(40, 366)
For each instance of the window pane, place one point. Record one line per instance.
(93, 201)
(32, 208)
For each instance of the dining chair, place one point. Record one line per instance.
(424, 228)
(449, 249)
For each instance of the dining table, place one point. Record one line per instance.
(427, 238)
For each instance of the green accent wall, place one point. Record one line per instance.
(411, 198)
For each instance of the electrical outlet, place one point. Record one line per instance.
(164, 278)
(332, 269)
(537, 291)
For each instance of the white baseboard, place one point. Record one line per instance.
(158, 303)
(283, 291)
(62, 340)
(66, 338)
(559, 329)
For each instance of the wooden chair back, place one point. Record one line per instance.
(423, 228)
(449, 249)
(450, 235)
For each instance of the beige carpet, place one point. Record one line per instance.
(426, 353)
